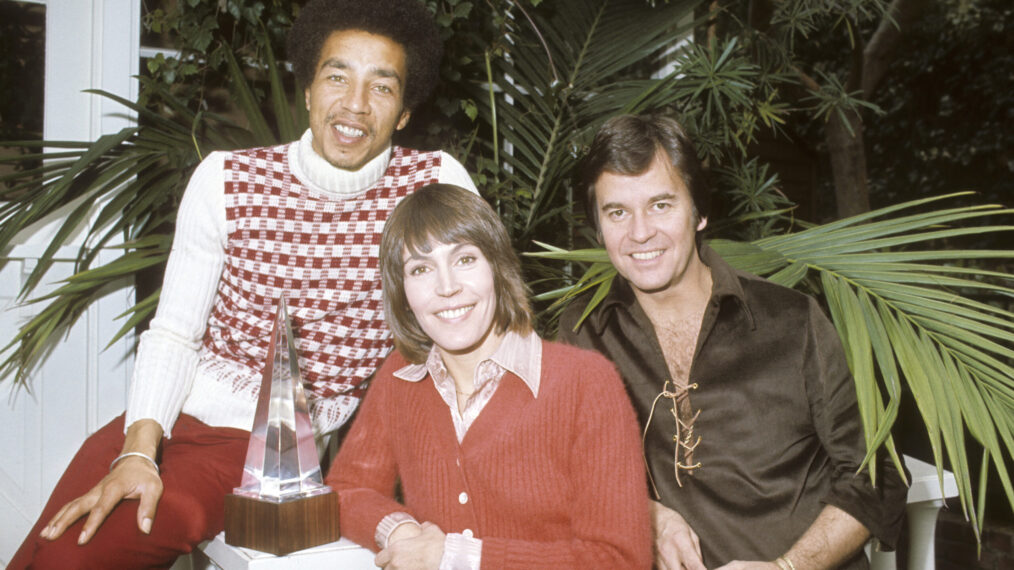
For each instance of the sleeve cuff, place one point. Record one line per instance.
(461, 552)
(387, 526)
(162, 378)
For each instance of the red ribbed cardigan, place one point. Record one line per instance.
(550, 482)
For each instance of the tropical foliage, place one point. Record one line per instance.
(529, 83)
(205, 36)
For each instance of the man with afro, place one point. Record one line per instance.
(301, 221)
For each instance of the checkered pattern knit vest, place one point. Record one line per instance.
(322, 253)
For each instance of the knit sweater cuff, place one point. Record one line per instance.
(461, 552)
(388, 524)
(158, 358)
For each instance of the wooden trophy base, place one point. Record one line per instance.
(281, 528)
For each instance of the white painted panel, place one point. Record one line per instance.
(77, 389)
(90, 44)
(20, 436)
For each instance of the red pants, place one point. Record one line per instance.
(199, 466)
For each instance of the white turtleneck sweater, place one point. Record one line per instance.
(165, 380)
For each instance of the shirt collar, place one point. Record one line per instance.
(725, 285)
(519, 354)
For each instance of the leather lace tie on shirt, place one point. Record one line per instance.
(683, 438)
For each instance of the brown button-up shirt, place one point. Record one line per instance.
(779, 428)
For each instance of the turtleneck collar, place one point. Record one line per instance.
(319, 174)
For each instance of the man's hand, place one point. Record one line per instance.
(411, 550)
(677, 546)
(131, 478)
(749, 565)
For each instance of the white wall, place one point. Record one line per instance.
(90, 44)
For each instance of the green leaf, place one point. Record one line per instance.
(247, 102)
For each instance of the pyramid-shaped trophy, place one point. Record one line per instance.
(282, 504)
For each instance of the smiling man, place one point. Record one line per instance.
(301, 221)
(751, 428)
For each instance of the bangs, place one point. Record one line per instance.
(439, 221)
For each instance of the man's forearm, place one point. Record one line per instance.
(143, 436)
(831, 539)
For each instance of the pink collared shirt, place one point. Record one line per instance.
(521, 355)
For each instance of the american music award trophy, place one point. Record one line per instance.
(282, 504)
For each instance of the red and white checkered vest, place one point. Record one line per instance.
(322, 253)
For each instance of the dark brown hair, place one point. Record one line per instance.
(627, 145)
(407, 22)
(448, 214)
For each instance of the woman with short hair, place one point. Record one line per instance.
(510, 451)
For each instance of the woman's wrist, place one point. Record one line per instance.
(385, 533)
(405, 529)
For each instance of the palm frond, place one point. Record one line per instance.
(550, 88)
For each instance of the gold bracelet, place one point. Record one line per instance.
(134, 454)
(788, 563)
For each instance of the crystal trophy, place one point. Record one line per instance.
(282, 504)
